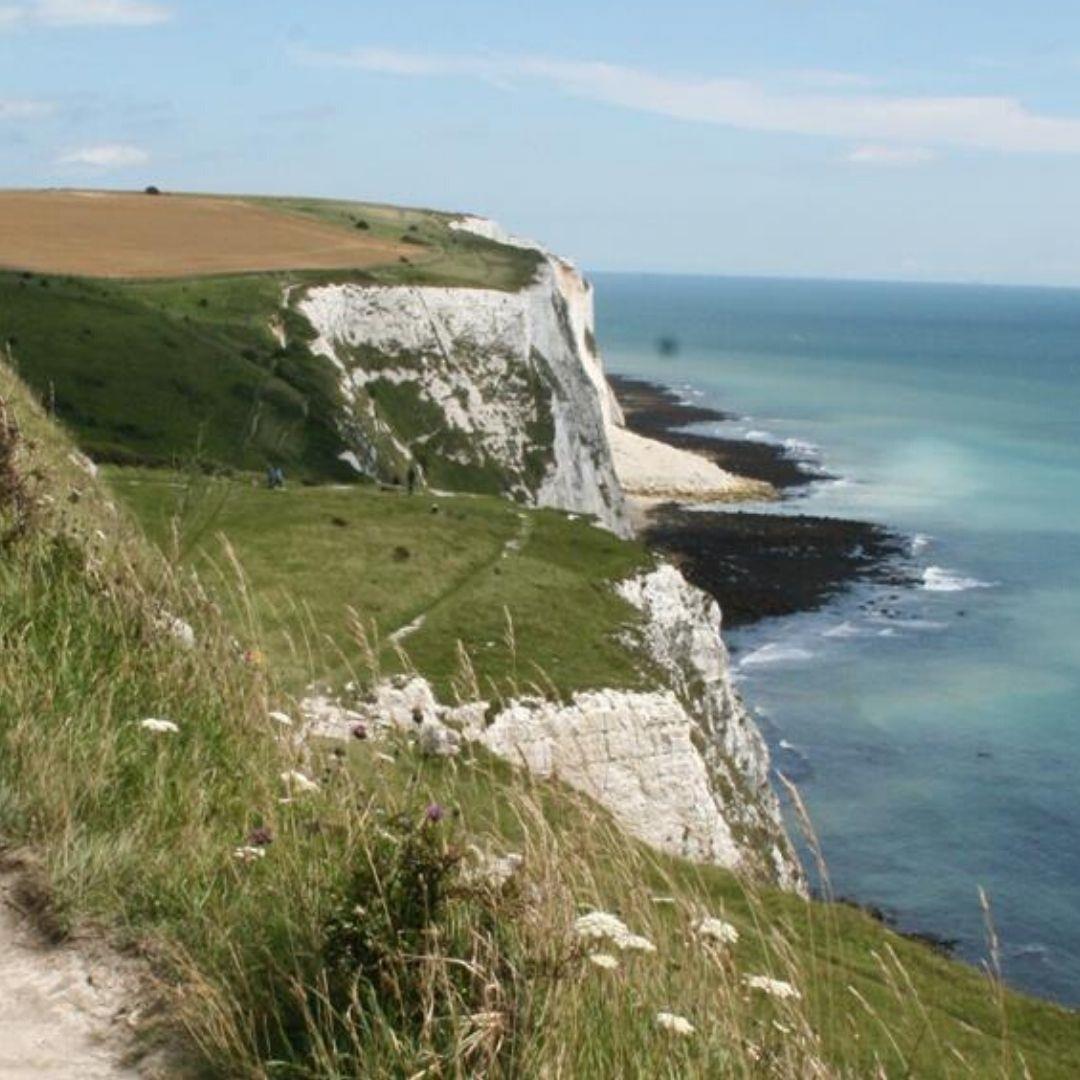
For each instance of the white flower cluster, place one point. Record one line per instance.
(248, 853)
(776, 988)
(677, 1025)
(297, 782)
(603, 960)
(723, 933)
(158, 727)
(603, 926)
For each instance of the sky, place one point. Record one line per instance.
(892, 139)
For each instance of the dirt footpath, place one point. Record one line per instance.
(63, 1011)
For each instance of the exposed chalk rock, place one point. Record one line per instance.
(682, 635)
(507, 387)
(682, 767)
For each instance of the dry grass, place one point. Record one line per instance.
(121, 235)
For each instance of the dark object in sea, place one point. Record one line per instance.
(667, 346)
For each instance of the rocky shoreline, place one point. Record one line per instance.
(756, 565)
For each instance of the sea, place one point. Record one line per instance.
(933, 730)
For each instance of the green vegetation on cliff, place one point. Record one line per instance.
(368, 939)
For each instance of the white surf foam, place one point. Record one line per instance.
(938, 579)
(920, 542)
(775, 654)
(756, 435)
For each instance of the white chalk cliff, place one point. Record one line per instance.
(512, 383)
(681, 767)
(504, 386)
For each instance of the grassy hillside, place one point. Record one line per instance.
(366, 940)
(467, 569)
(439, 256)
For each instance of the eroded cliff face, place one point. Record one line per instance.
(477, 389)
(681, 767)
(506, 392)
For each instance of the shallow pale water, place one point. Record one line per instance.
(934, 731)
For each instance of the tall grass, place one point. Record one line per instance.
(356, 929)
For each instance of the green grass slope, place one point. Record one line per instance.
(527, 594)
(174, 372)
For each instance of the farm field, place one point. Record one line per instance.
(127, 235)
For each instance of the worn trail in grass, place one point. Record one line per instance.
(526, 592)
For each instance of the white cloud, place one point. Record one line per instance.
(878, 154)
(982, 122)
(106, 156)
(85, 13)
(14, 109)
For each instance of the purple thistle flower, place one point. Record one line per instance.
(359, 731)
(260, 837)
(434, 813)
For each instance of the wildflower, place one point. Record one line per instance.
(248, 853)
(636, 943)
(677, 1025)
(298, 782)
(723, 933)
(158, 727)
(603, 960)
(254, 657)
(601, 925)
(260, 837)
(434, 813)
(776, 988)
(280, 718)
(359, 731)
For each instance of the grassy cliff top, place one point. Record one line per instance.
(138, 236)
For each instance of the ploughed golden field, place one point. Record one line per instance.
(122, 235)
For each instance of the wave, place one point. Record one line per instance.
(844, 630)
(938, 579)
(775, 654)
(754, 435)
(802, 448)
(920, 542)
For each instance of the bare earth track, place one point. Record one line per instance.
(62, 1009)
(121, 235)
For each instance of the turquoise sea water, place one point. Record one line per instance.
(937, 745)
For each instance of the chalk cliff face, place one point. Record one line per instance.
(506, 392)
(476, 388)
(681, 767)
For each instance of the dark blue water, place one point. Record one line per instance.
(934, 732)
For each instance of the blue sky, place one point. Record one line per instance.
(901, 139)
